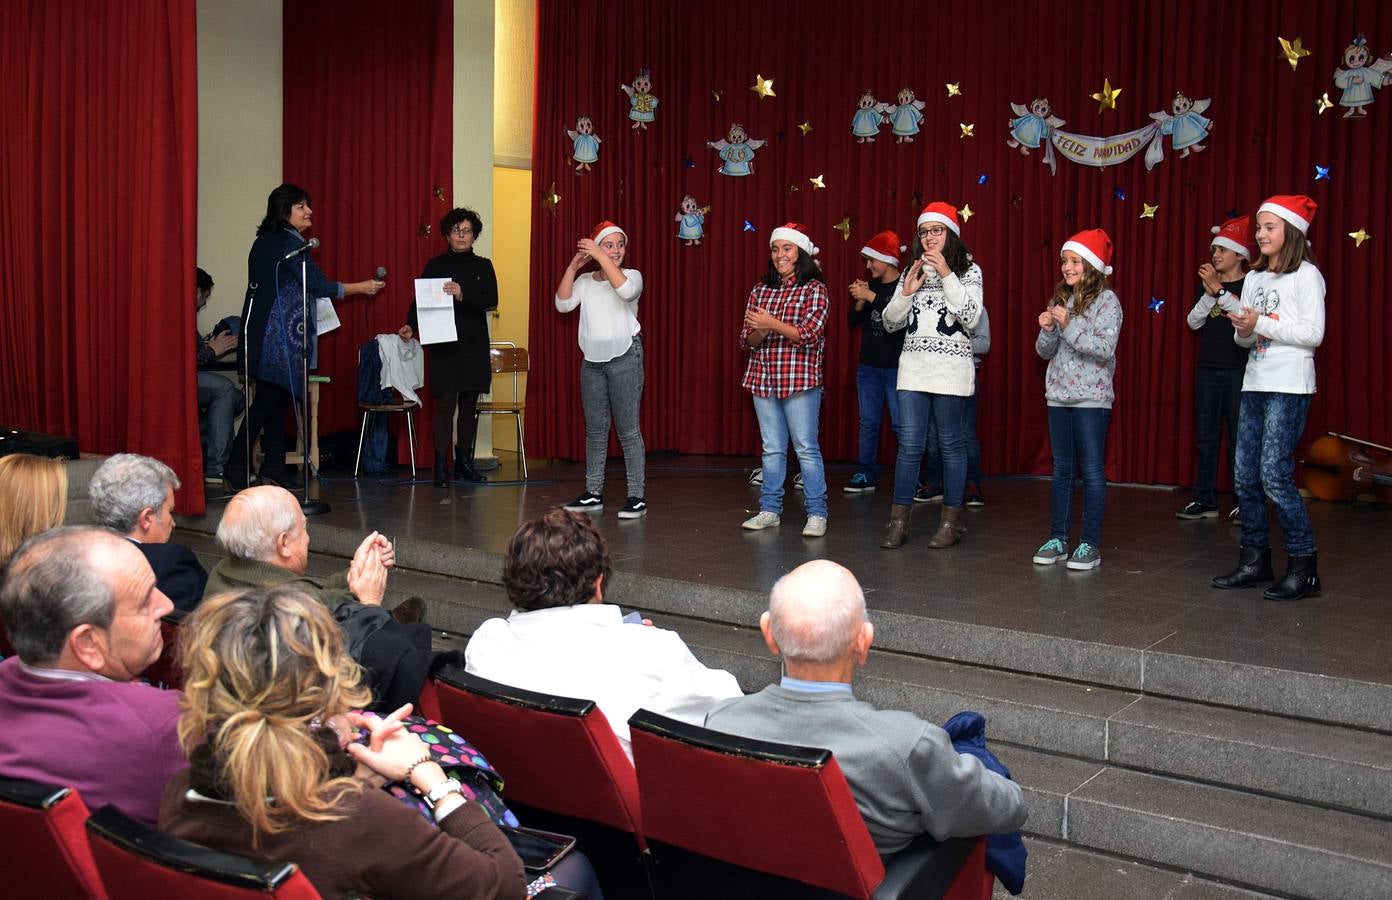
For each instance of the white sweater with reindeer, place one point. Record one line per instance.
(940, 318)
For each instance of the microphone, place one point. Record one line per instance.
(381, 274)
(312, 244)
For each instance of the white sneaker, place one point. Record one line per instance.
(815, 527)
(764, 519)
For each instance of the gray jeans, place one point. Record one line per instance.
(615, 389)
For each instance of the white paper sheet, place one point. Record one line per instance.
(326, 319)
(434, 311)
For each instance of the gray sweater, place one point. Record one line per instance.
(906, 777)
(1082, 357)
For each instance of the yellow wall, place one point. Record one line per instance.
(512, 259)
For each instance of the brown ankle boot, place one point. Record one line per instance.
(898, 529)
(950, 529)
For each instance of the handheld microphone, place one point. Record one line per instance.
(312, 244)
(381, 274)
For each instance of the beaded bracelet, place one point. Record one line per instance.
(406, 778)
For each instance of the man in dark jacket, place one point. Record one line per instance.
(134, 495)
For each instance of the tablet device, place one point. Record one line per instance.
(539, 850)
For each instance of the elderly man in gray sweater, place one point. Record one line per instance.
(905, 775)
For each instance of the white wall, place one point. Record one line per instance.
(239, 138)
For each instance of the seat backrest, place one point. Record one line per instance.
(138, 862)
(506, 360)
(164, 672)
(733, 798)
(554, 753)
(45, 844)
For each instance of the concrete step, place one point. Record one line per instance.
(1268, 844)
(1064, 872)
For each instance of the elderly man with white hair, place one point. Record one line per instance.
(904, 773)
(134, 495)
(266, 538)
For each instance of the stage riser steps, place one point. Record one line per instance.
(1298, 808)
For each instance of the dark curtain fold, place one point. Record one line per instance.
(368, 100)
(98, 216)
(1267, 139)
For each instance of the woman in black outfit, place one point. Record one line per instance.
(272, 340)
(458, 369)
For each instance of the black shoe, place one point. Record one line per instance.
(234, 480)
(974, 497)
(409, 611)
(1253, 567)
(439, 476)
(281, 476)
(635, 508)
(1301, 580)
(586, 502)
(928, 493)
(464, 467)
(1196, 510)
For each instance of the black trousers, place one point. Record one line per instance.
(443, 420)
(266, 420)
(1217, 396)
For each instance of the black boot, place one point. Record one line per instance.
(1301, 580)
(464, 466)
(1253, 567)
(440, 477)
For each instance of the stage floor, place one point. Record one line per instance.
(1151, 592)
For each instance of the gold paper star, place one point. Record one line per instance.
(763, 87)
(551, 198)
(804, 128)
(716, 95)
(967, 129)
(1324, 103)
(954, 90)
(1106, 98)
(792, 188)
(423, 230)
(1359, 237)
(1291, 51)
(844, 226)
(439, 193)
(965, 213)
(1148, 211)
(818, 183)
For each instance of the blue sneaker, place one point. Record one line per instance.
(860, 485)
(1086, 556)
(1052, 551)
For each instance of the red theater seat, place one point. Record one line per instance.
(45, 846)
(138, 862)
(737, 811)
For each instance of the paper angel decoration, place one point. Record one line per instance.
(586, 144)
(736, 153)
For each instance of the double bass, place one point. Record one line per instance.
(1339, 467)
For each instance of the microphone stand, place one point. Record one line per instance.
(308, 506)
(246, 380)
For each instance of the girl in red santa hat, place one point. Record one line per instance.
(611, 375)
(1078, 334)
(1281, 320)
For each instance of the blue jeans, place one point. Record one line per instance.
(944, 411)
(1078, 437)
(796, 417)
(1268, 428)
(876, 389)
(932, 472)
(1217, 396)
(222, 399)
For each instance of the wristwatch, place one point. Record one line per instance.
(1221, 292)
(442, 790)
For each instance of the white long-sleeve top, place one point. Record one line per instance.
(1290, 325)
(940, 317)
(608, 315)
(589, 651)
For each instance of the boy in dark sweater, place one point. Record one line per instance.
(1218, 383)
(878, 370)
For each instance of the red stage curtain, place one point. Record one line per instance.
(98, 211)
(822, 55)
(368, 105)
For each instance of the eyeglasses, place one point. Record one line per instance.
(461, 231)
(933, 231)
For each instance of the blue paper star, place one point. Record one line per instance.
(1119, 193)
(689, 163)
(1321, 172)
(1155, 305)
(1231, 214)
(983, 178)
(748, 225)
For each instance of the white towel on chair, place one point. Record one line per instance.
(403, 365)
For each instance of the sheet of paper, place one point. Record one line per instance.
(434, 311)
(326, 319)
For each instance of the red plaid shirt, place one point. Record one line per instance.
(778, 367)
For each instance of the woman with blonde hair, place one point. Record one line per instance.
(33, 498)
(281, 768)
